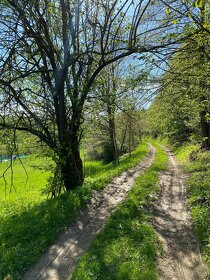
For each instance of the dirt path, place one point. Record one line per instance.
(181, 258)
(60, 260)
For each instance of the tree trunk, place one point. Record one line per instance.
(71, 166)
(112, 135)
(72, 171)
(69, 156)
(205, 131)
(111, 116)
(129, 138)
(123, 140)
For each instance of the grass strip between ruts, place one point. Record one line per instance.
(127, 247)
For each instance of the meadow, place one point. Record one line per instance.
(30, 222)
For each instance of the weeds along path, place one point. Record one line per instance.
(181, 259)
(60, 260)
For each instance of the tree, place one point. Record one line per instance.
(107, 96)
(184, 85)
(51, 53)
(112, 110)
(173, 115)
(195, 54)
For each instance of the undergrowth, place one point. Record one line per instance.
(29, 222)
(127, 247)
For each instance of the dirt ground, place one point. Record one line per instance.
(181, 259)
(59, 261)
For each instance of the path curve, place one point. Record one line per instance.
(59, 261)
(181, 259)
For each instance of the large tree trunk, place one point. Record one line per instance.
(71, 164)
(72, 170)
(68, 130)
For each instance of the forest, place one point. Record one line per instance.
(105, 139)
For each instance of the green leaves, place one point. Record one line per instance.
(175, 21)
(167, 11)
(200, 3)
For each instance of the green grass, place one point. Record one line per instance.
(14, 198)
(199, 193)
(127, 247)
(100, 174)
(29, 222)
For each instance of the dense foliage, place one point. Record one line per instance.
(182, 106)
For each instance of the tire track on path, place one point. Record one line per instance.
(59, 261)
(181, 259)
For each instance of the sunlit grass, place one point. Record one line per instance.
(27, 185)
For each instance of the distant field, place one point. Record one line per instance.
(29, 222)
(25, 191)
